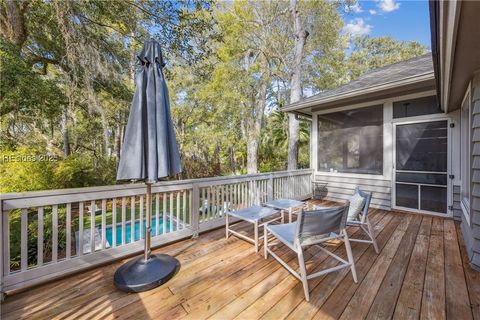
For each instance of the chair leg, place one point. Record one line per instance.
(303, 273)
(255, 226)
(265, 242)
(290, 215)
(351, 260)
(371, 234)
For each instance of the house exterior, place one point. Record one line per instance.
(409, 132)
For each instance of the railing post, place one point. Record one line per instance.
(2, 253)
(270, 187)
(194, 212)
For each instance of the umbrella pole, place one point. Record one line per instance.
(148, 227)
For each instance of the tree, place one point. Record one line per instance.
(301, 35)
(243, 74)
(371, 53)
(320, 22)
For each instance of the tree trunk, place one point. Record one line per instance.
(252, 155)
(106, 144)
(254, 122)
(119, 129)
(233, 163)
(66, 145)
(12, 21)
(295, 85)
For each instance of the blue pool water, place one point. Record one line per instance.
(136, 231)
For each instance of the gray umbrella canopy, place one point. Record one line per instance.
(150, 150)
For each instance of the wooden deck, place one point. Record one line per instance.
(421, 272)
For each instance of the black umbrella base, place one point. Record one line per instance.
(138, 275)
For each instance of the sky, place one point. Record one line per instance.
(402, 20)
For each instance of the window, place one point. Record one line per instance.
(351, 141)
(416, 107)
(465, 146)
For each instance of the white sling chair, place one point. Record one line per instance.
(311, 228)
(363, 221)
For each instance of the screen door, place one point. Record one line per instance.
(421, 166)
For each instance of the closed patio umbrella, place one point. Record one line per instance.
(149, 153)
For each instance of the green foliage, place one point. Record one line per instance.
(81, 171)
(27, 169)
(23, 170)
(371, 53)
(24, 90)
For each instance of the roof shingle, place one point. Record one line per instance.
(387, 74)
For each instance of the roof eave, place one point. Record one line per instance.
(380, 89)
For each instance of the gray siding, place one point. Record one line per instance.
(457, 210)
(472, 232)
(341, 188)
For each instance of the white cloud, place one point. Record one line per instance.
(388, 5)
(356, 8)
(357, 27)
(372, 12)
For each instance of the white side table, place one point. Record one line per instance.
(255, 216)
(284, 205)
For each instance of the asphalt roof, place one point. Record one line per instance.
(388, 74)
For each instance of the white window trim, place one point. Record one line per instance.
(466, 160)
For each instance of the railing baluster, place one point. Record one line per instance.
(217, 202)
(24, 240)
(190, 207)
(114, 223)
(55, 233)
(172, 224)
(132, 219)
(141, 218)
(6, 241)
(40, 237)
(164, 214)
(104, 223)
(203, 206)
(222, 202)
(92, 226)
(124, 218)
(178, 211)
(80, 229)
(68, 232)
(236, 194)
(209, 202)
(184, 211)
(194, 212)
(157, 213)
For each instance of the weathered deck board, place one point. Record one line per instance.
(458, 304)
(472, 277)
(421, 271)
(410, 299)
(433, 301)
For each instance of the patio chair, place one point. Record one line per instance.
(362, 220)
(312, 228)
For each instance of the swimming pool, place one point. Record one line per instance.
(136, 231)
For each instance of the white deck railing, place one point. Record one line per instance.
(48, 234)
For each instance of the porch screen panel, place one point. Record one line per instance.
(416, 107)
(351, 141)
